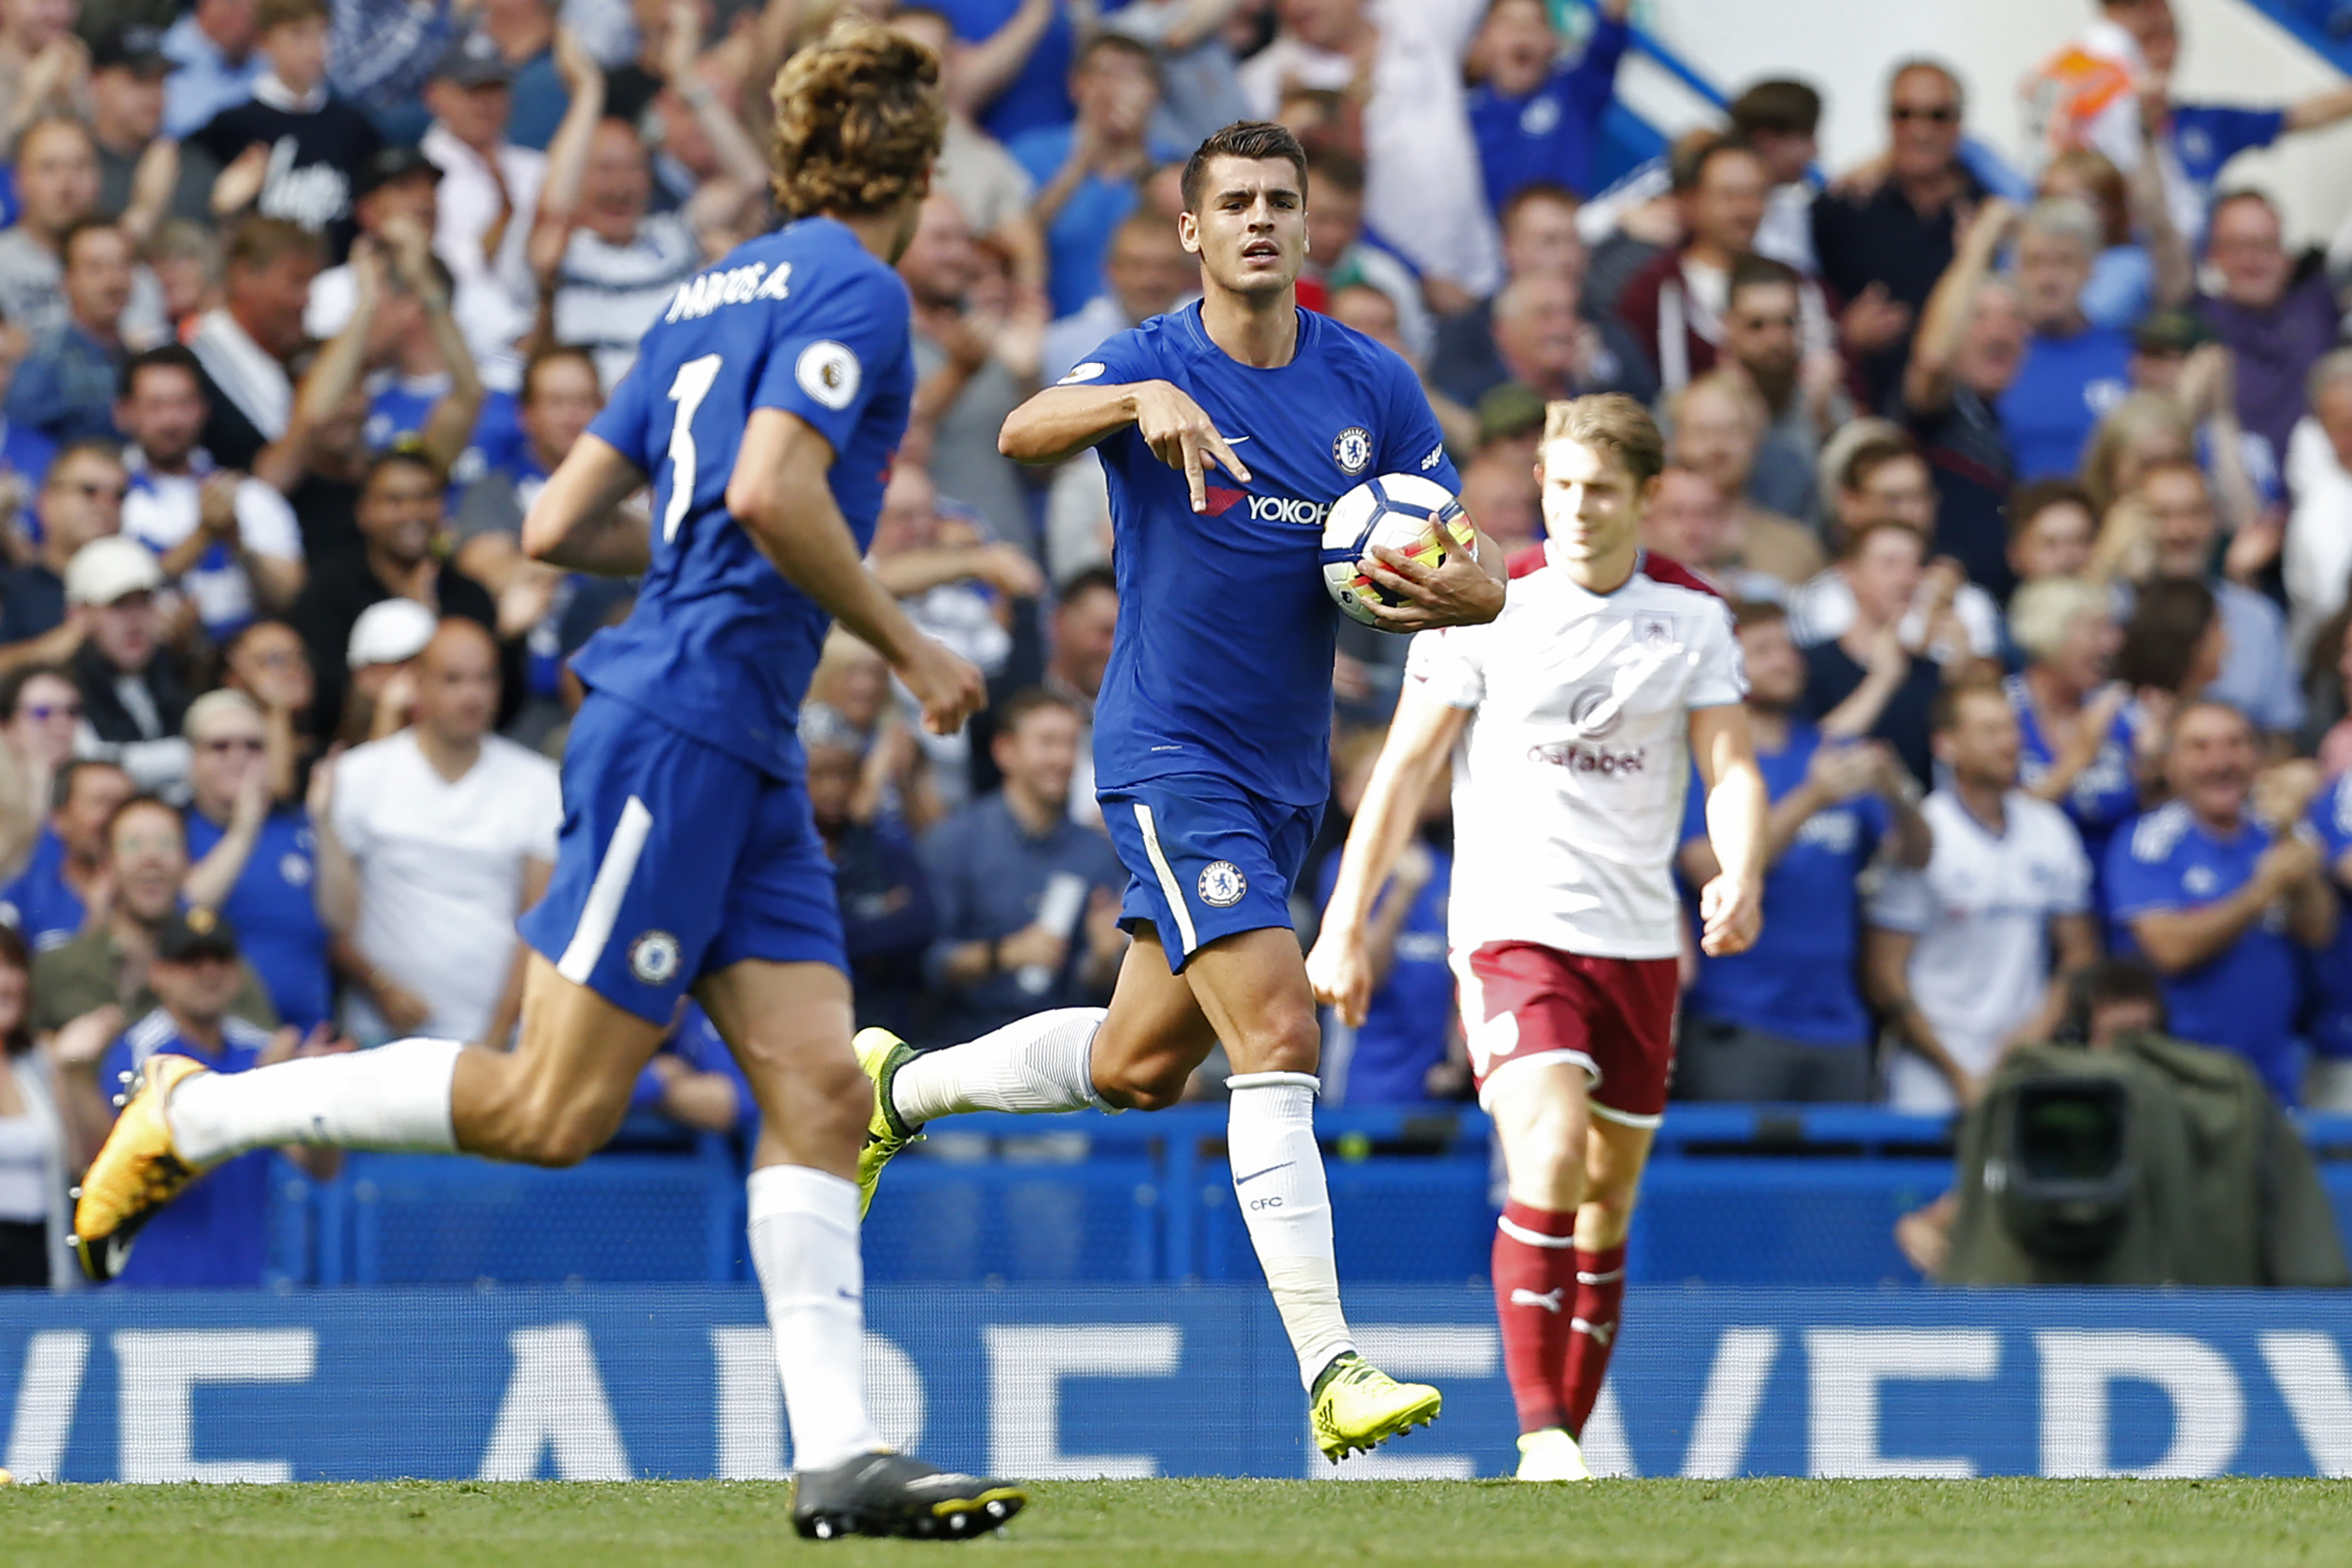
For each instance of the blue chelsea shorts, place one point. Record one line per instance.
(1205, 858)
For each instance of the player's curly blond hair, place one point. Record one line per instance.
(858, 122)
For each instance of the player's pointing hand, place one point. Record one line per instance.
(951, 689)
(1183, 437)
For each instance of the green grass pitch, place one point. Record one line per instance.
(1139, 1524)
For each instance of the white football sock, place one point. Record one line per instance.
(393, 1097)
(1278, 1182)
(1041, 1063)
(805, 1247)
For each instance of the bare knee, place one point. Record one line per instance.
(1284, 1038)
(1151, 1089)
(505, 1113)
(1606, 1214)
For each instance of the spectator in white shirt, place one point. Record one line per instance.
(453, 831)
(489, 188)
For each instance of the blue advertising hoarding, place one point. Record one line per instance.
(616, 1382)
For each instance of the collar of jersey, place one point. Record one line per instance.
(1196, 335)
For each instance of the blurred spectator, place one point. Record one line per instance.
(1016, 66)
(52, 902)
(81, 500)
(217, 1233)
(452, 830)
(39, 709)
(1201, 90)
(25, 454)
(488, 190)
(974, 367)
(2128, 278)
(1502, 494)
(1373, 312)
(133, 694)
(106, 967)
(2316, 567)
(396, 195)
(1866, 680)
(991, 186)
(34, 1155)
(274, 869)
(246, 345)
(1339, 256)
(2219, 900)
(2088, 748)
(2200, 139)
(1401, 1053)
(401, 517)
(1540, 246)
(57, 186)
(1875, 474)
(187, 258)
(291, 151)
(1783, 1021)
(380, 53)
(1972, 341)
(1674, 305)
(1804, 396)
(1781, 120)
(607, 264)
(228, 541)
(1149, 275)
(140, 180)
(1028, 900)
(266, 660)
(42, 64)
(2328, 1082)
(1717, 426)
(1535, 116)
(1422, 192)
(693, 1079)
(1959, 955)
(2072, 371)
(67, 385)
(2275, 312)
(887, 918)
(524, 34)
(1689, 520)
(215, 64)
(1085, 617)
(1884, 237)
(385, 642)
(1087, 172)
(2256, 676)
(2173, 645)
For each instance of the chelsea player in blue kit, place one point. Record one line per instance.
(764, 408)
(1226, 429)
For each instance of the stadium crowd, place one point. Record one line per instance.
(2033, 493)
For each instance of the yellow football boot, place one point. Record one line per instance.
(136, 1173)
(1358, 1407)
(880, 1055)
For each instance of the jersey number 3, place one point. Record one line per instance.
(688, 390)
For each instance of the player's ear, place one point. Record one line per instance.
(1188, 233)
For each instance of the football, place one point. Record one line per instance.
(1419, 517)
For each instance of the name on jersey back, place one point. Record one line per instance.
(701, 294)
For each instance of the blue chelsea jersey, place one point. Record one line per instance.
(719, 645)
(1222, 660)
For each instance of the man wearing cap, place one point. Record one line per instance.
(133, 699)
(219, 1236)
(229, 542)
(146, 861)
(81, 500)
(291, 151)
(129, 74)
(396, 186)
(385, 641)
(490, 189)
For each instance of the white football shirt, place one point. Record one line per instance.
(1980, 910)
(1570, 775)
(441, 870)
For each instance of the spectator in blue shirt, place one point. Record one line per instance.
(214, 63)
(2327, 1085)
(1535, 116)
(2204, 137)
(887, 918)
(1016, 66)
(270, 867)
(694, 1082)
(51, 900)
(2084, 742)
(1784, 1021)
(1028, 899)
(67, 386)
(2072, 371)
(1089, 173)
(2219, 902)
(218, 1232)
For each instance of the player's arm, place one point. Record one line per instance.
(780, 494)
(578, 522)
(1062, 421)
(1420, 738)
(2319, 110)
(1739, 812)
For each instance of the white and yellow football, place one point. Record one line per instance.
(1418, 517)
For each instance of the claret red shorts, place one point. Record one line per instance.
(1523, 1002)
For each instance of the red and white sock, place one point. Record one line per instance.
(1535, 1299)
(1600, 1297)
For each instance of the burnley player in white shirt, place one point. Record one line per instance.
(1573, 719)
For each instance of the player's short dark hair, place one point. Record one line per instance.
(12, 685)
(1530, 193)
(61, 788)
(1333, 169)
(1779, 106)
(162, 356)
(2170, 618)
(1687, 167)
(1254, 141)
(1087, 580)
(548, 354)
(1944, 712)
(860, 122)
(2030, 501)
(1750, 271)
(1027, 700)
(1615, 424)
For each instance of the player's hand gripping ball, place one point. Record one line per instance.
(1418, 517)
